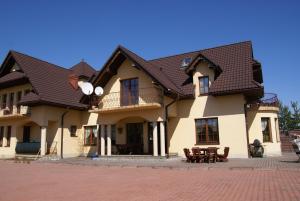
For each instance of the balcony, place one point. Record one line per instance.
(268, 102)
(143, 98)
(14, 112)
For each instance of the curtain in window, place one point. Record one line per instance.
(87, 135)
(264, 124)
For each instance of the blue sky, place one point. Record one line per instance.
(64, 32)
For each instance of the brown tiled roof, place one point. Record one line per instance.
(234, 60)
(11, 77)
(49, 81)
(83, 69)
(30, 98)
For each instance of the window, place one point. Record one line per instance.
(8, 136)
(90, 135)
(207, 131)
(73, 130)
(4, 97)
(266, 129)
(203, 85)
(129, 92)
(1, 135)
(185, 62)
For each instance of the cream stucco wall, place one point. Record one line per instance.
(231, 120)
(228, 109)
(255, 131)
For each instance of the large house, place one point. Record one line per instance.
(211, 97)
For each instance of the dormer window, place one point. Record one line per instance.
(15, 68)
(203, 85)
(185, 62)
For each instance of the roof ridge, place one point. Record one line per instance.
(13, 51)
(150, 60)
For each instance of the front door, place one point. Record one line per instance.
(26, 134)
(135, 138)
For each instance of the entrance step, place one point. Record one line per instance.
(130, 157)
(134, 157)
(26, 157)
(32, 157)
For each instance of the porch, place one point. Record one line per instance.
(131, 136)
(29, 138)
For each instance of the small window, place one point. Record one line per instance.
(185, 62)
(73, 130)
(266, 129)
(8, 136)
(1, 135)
(90, 135)
(203, 84)
(207, 131)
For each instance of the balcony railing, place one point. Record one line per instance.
(15, 111)
(141, 97)
(269, 99)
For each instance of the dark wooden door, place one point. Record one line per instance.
(26, 134)
(135, 137)
(150, 138)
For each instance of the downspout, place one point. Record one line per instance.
(247, 130)
(166, 123)
(62, 134)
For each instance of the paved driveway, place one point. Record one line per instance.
(43, 181)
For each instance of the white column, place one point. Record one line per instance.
(4, 143)
(102, 140)
(162, 139)
(98, 138)
(108, 140)
(13, 136)
(43, 140)
(15, 103)
(155, 139)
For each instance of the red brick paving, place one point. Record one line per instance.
(45, 182)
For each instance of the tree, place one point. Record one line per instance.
(285, 118)
(295, 114)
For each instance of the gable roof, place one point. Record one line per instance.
(83, 69)
(50, 82)
(12, 79)
(234, 62)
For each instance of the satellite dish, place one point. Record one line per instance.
(87, 88)
(98, 91)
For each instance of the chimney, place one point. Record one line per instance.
(73, 80)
